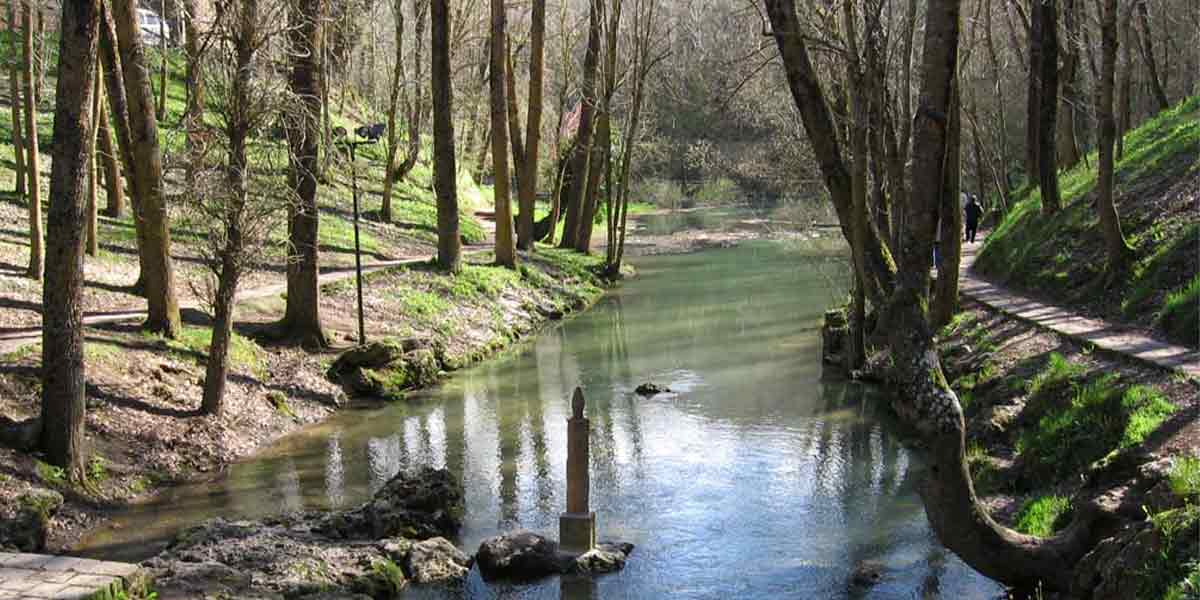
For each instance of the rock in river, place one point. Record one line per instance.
(650, 389)
(522, 556)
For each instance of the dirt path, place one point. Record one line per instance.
(1102, 334)
(13, 339)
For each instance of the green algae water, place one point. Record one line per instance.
(755, 478)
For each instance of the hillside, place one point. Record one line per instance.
(1061, 257)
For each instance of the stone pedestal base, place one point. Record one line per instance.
(577, 532)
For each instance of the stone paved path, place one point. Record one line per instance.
(41, 577)
(1102, 334)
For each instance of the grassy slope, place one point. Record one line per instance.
(1156, 181)
(1051, 423)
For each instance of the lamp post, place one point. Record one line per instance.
(352, 145)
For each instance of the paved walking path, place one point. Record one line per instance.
(1102, 334)
(13, 339)
(41, 577)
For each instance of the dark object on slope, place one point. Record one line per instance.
(650, 389)
(372, 132)
(541, 228)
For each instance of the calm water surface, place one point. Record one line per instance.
(757, 479)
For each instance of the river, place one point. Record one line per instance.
(756, 478)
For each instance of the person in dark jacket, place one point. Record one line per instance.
(973, 212)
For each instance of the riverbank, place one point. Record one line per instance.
(142, 425)
(1056, 426)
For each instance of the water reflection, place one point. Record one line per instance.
(755, 479)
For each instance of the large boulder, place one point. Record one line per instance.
(520, 555)
(422, 504)
(387, 368)
(436, 560)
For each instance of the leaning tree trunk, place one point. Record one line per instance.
(36, 250)
(63, 384)
(158, 271)
(1048, 106)
(923, 398)
(577, 192)
(445, 187)
(1147, 49)
(810, 101)
(506, 254)
(1118, 250)
(302, 316)
(14, 96)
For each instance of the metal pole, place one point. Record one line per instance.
(362, 335)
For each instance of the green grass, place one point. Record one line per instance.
(423, 305)
(1058, 370)
(1185, 477)
(1044, 515)
(1101, 417)
(1064, 252)
(193, 343)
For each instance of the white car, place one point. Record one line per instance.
(152, 26)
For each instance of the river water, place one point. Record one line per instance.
(756, 478)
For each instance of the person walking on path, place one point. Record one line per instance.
(973, 211)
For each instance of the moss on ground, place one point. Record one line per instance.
(1065, 251)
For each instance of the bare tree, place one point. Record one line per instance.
(36, 249)
(528, 177)
(506, 252)
(63, 384)
(238, 201)
(1047, 12)
(14, 96)
(444, 173)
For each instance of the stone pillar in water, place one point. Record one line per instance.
(577, 526)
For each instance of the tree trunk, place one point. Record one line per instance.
(945, 301)
(444, 172)
(1048, 106)
(194, 82)
(93, 170)
(856, 351)
(1118, 250)
(513, 119)
(14, 96)
(923, 397)
(161, 109)
(158, 271)
(506, 254)
(63, 383)
(1147, 49)
(577, 191)
(818, 123)
(591, 198)
(416, 105)
(1125, 95)
(1066, 138)
(1033, 101)
(115, 204)
(36, 238)
(302, 317)
(217, 370)
(389, 168)
(527, 178)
